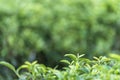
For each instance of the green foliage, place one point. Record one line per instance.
(57, 27)
(100, 68)
(39, 29)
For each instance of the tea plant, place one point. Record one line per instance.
(79, 68)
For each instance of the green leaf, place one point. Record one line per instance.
(33, 63)
(65, 61)
(96, 58)
(114, 56)
(79, 56)
(8, 65)
(72, 56)
(28, 63)
(22, 67)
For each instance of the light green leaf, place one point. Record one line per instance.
(8, 65)
(79, 56)
(114, 56)
(28, 63)
(65, 61)
(96, 58)
(72, 56)
(33, 63)
(22, 67)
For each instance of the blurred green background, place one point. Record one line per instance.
(45, 30)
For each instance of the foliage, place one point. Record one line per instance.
(100, 68)
(39, 29)
(56, 27)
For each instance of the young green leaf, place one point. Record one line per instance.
(65, 61)
(33, 63)
(28, 63)
(96, 58)
(8, 65)
(79, 56)
(22, 67)
(72, 56)
(115, 56)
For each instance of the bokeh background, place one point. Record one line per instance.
(45, 30)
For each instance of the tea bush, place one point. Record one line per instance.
(39, 29)
(79, 68)
(31, 28)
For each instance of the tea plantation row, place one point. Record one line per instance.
(79, 68)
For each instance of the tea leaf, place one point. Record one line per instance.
(79, 56)
(8, 65)
(33, 63)
(72, 56)
(114, 56)
(65, 61)
(28, 63)
(21, 67)
(96, 58)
